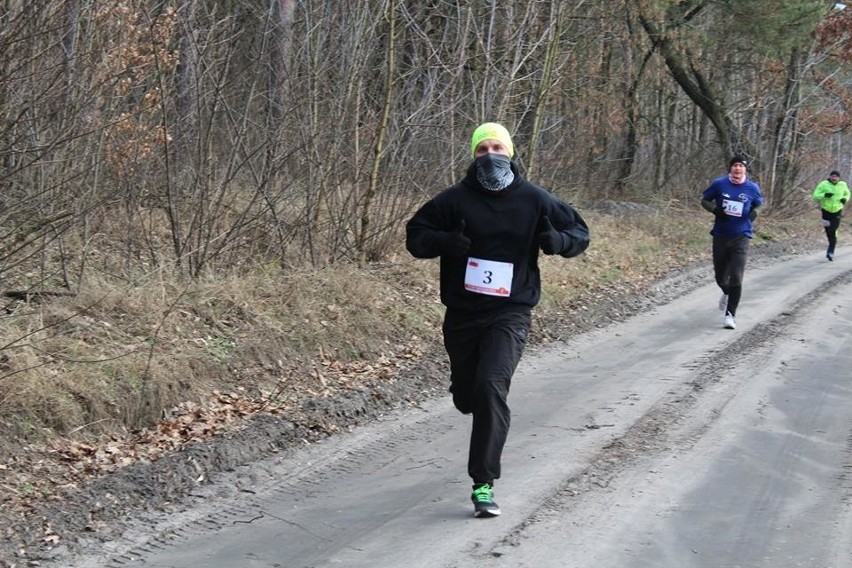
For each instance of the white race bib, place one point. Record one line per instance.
(488, 277)
(732, 208)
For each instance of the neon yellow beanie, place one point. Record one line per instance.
(491, 131)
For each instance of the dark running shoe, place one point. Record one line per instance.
(829, 256)
(483, 501)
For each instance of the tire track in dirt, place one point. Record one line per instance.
(673, 425)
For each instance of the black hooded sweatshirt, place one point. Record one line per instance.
(503, 226)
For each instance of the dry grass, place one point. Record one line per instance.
(114, 359)
(628, 249)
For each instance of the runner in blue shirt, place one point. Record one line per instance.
(733, 199)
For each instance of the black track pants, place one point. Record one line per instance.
(729, 261)
(484, 350)
(831, 222)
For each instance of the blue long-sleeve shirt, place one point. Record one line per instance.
(736, 200)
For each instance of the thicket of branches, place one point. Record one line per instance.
(200, 136)
(177, 166)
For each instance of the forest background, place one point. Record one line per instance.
(202, 202)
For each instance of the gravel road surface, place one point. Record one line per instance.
(661, 441)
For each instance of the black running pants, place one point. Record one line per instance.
(831, 222)
(729, 261)
(484, 350)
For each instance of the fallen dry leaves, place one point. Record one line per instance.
(44, 473)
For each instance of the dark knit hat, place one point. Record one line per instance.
(738, 159)
(834, 173)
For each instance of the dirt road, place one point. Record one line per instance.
(664, 441)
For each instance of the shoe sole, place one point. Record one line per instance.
(486, 514)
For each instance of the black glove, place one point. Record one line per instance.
(550, 240)
(720, 213)
(827, 195)
(455, 243)
(752, 214)
(843, 201)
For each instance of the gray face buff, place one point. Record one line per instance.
(494, 171)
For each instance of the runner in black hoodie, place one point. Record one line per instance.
(488, 230)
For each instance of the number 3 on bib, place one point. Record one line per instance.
(488, 277)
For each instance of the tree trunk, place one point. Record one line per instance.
(686, 72)
(378, 147)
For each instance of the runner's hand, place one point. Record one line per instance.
(550, 240)
(720, 213)
(455, 243)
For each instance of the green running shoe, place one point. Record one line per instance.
(483, 501)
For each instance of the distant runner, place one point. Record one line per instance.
(831, 194)
(733, 199)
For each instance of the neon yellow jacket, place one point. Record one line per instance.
(837, 191)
